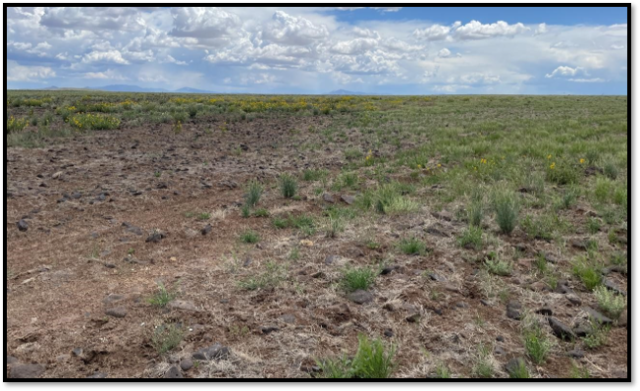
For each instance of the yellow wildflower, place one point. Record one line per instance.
(581, 161)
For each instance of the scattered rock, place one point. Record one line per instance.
(360, 297)
(443, 215)
(436, 277)
(545, 310)
(161, 186)
(155, 237)
(183, 305)
(560, 329)
(11, 360)
(206, 230)
(624, 318)
(22, 225)
(485, 303)
(186, 364)
(614, 268)
(462, 304)
(132, 228)
(579, 244)
(612, 286)
(438, 230)
(514, 310)
(413, 318)
(347, 199)
(27, 371)
(326, 197)
(499, 351)
(388, 269)
(582, 328)
(500, 338)
(331, 259)
(514, 364)
(388, 333)
(117, 312)
(576, 353)
(595, 315)
(173, 373)
(269, 329)
(213, 352)
(574, 299)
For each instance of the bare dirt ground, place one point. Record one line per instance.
(92, 201)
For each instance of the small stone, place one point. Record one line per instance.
(326, 197)
(595, 315)
(173, 373)
(624, 318)
(27, 371)
(161, 185)
(514, 310)
(331, 259)
(499, 351)
(213, 352)
(77, 352)
(206, 230)
(462, 304)
(388, 269)
(133, 229)
(11, 360)
(560, 329)
(574, 299)
(347, 199)
(437, 230)
(485, 303)
(388, 333)
(413, 318)
(514, 364)
(436, 277)
(269, 329)
(613, 287)
(546, 311)
(549, 257)
(443, 215)
(576, 353)
(500, 338)
(579, 244)
(22, 225)
(360, 297)
(109, 265)
(186, 364)
(155, 237)
(117, 312)
(182, 305)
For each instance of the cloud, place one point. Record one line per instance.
(109, 56)
(444, 52)
(593, 80)
(106, 75)
(563, 71)
(17, 72)
(541, 29)
(435, 32)
(477, 30)
(290, 30)
(381, 9)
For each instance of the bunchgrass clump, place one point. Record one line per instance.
(245, 211)
(498, 266)
(412, 246)
(442, 372)
(588, 271)
(254, 192)
(598, 335)
(373, 360)
(610, 170)
(163, 296)
(261, 213)
(204, 216)
(471, 238)
(506, 207)
(610, 302)
(475, 213)
(358, 278)
(166, 337)
(519, 371)
(536, 342)
(249, 236)
(483, 366)
(288, 186)
(314, 175)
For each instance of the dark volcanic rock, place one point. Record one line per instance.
(269, 329)
(595, 315)
(347, 199)
(560, 329)
(326, 197)
(213, 352)
(514, 364)
(206, 230)
(22, 225)
(186, 364)
(155, 237)
(173, 373)
(26, 371)
(117, 312)
(514, 310)
(360, 296)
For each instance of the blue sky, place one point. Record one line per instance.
(384, 50)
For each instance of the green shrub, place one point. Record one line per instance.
(519, 371)
(506, 208)
(412, 246)
(588, 271)
(610, 170)
(562, 173)
(270, 278)
(483, 367)
(94, 122)
(249, 237)
(472, 236)
(314, 175)
(498, 267)
(372, 361)
(288, 186)
(536, 343)
(610, 302)
(540, 228)
(254, 192)
(261, 213)
(162, 297)
(16, 124)
(166, 337)
(358, 278)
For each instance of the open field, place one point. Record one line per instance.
(316, 236)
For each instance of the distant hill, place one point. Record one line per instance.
(345, 92)
(189, 90)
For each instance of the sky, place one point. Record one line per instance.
(315, 50)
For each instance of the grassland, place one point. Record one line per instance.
(412, 222)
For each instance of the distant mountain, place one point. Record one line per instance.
(189, 90)
(345, 92)
(127, 88)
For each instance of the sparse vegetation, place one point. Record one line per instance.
(471, 238)
(358, 278)
(506, 208)
(610, 302)
(249, 236)
(373, 360)
(288, 186)
(254, 192)
(163, 296)
(412, 246)
(166, 337)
